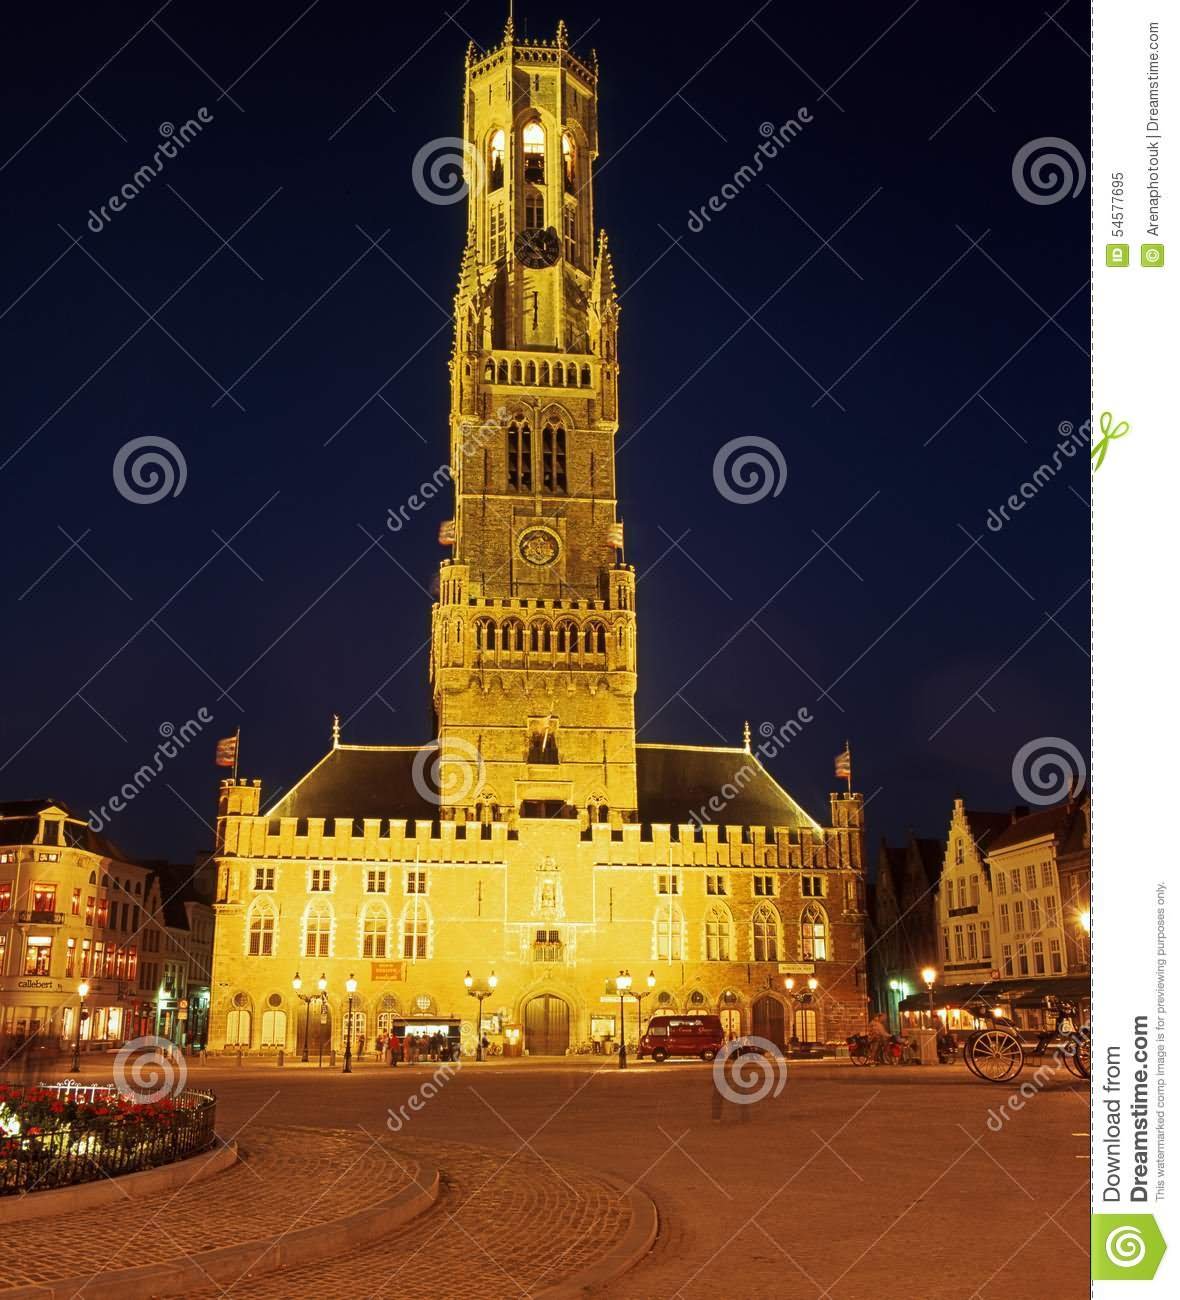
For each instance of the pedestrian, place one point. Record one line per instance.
(380, 1046)
(878, 1037)
(360, 1046)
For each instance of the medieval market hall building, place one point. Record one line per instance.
(534, 838)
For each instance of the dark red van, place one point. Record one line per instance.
(672, 1035)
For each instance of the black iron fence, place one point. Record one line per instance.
(92, 1147)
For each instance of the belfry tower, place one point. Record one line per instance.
(533, 655)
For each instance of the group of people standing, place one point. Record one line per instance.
(411, 1048)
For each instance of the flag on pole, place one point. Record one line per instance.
(616, 536)
(446, 533)
(844, 763)
(227, 752)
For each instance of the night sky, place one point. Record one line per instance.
(270, 593)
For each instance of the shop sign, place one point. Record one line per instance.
(387, 970)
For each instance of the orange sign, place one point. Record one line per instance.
(387, 970)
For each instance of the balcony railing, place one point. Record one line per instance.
(548, 952)
(37, 917)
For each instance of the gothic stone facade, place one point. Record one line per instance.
(534, 836)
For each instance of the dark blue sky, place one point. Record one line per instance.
(952, 367)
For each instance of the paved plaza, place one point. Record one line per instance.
(852, 1182)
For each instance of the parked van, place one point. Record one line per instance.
(672, 1035)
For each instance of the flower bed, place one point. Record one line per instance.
(53, 1136)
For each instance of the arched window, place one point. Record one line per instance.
(553, 476)
(765, 933)
(387, 1013)
(317, 930)
(594, 639)
(571, 376)
(534, 209)
(539, 638)
(261, 929)
(669, 934)
(544, 374)
(274, 1023)
(517, 374)
(718, 932)
(813, 934)
(375, 932)
(496, 160)
(570, 231)
(567, 638)
(530, 373)
(568, 159)
(558, 375)
(485, 635)
(533, 139)
(502, 373)
(415, 930)
(237, 1022)
(585, 376)
(520, 457)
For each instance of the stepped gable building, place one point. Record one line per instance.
(534, 837)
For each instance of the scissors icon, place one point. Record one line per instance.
(1110, 431)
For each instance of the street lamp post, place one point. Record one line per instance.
(83, 989)
(350, 985)
(479, 989)
(789, 986)
(651, 983)
(929, 975)
(623, 984)
(307, 999)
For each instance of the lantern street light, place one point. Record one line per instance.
(639, 996)
(623, 984)
(797, 998)
(307, 999)
(480, 989)
(929, 975)
(83, 989)
(350, 985)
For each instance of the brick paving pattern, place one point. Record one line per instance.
(277, 1187)
(504, 1226)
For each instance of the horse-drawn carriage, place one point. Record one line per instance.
(998, 1051)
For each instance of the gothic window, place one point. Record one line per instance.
(594, 639)
(497, 244)
(317, 929)
(530, 373)
(558, 374)
(765, 933)
(813, 934)
(485, 635)
(553, 459)
(489, 371)
(520, 458)
(585, 376)
(571, 376)
(534, 209)
(567, 638)
(496, 161)
(533, 138)
(539, 638)
(717, 934)
(544, 374)
(261, 941)
(415, 929)
(568, 156)
(502, 375)
(570, 232)
(517, 374)
(375, 932)
(669, 934)
(512, 636)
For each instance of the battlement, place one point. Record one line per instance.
(531, 52)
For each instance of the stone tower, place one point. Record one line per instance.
(533, 655)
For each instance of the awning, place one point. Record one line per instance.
(1023, 992)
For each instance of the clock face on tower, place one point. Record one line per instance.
(537, 248)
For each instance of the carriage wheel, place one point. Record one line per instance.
(1077, 1054)
(995, 1055)
(967, 1059)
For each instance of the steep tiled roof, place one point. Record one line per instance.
(1055, 821)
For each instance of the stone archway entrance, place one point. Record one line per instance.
(546, 1026)
(770, 1021)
